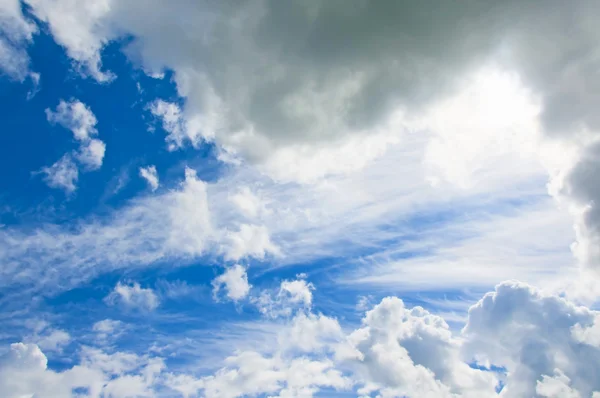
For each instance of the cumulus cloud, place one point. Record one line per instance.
(133, 296)
(532, 334)
(151, 176)
(526, 335)
(250, 240)
(235, 282)
(77, 117)
(290, 296)
(24, 372)
(91, 154)
(62, 175)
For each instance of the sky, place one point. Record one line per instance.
(299, 199)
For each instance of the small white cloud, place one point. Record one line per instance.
(173, 123)
(107, 329)
(151, 176)
(291, 296)
(133, 296)
(250, 240)
(298, 292)
(78, 118)
(62, 175)
(75, 116)
(235, 282)
(54, 341)
(91, 154)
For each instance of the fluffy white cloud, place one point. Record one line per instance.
(174, 124)
(396, 351)
(151, 176)
(410, 352)
(77, 117)
(250, 240)
(235, 282)
(62, 175)
(532, 334)
(17, 32)
(133, 296)
(107, 329)
(79, 29)
(54, 340)
(290, 296)
(91, 154)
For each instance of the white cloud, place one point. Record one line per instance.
(250, 240)
(556, 386)
(235, 282)
(133, 296)
(79, 29)
(290, 296)
(174, 124)
(530, 333)
(91, 154)
(151, 176)
(54, 341)
(75, 116)
(410, 352)
(62, 175)
(17, 33)
(248, 203)
(396, 351)
(174, 225)
(107, 329)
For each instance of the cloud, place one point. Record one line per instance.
(174, 124)
(133, 296)
(250, 240)
(82, 40)
(148, 230)
(310, 95)
(532, 334)
(248, 203)
(235, 282)
(24, 372)
(91, 154)
(17, 33)
(77, 117)
(290, 296)
(62, 175)
(331, 100)
(54, 341)
(150, 175)
(525, 336)
(107, 329)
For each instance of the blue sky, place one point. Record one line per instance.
(217, 200)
